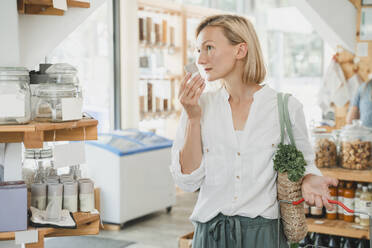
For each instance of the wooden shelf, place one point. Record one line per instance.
(348, 175)
(35, 133)
(45, 7)
(337, 227)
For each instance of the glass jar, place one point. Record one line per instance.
(35, 164)
(14, 95)
(60, 99)
(356, 146)
(325, 149)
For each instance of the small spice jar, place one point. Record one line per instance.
(54, 206)
(55, 191)
(340, 198)
(349, 194)
(39, 195)
(332, 214)
(86, 195)
(70, 196)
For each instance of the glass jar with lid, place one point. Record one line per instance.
(60, 99)
(14, 95)
(356, 146)
(36, 162)
(325, 149)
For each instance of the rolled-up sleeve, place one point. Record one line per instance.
(187, 182)
(301, 137)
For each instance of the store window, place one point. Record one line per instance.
(303, 55)
(227, 5)
(295, 58)
(94, 61)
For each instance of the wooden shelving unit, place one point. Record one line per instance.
(35, 133)
(340, 227)
(337, 227)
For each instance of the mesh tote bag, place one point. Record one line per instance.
(290, 165)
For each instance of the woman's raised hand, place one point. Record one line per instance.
(189, 95)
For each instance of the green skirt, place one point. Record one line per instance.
(238, 232)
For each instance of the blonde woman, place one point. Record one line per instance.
(227, 138)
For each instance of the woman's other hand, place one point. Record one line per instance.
(315, 190)
(189, 95)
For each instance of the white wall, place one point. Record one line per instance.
(9, 42)
(334, 20)
(26, 39)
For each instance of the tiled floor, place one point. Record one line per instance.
(158, 230)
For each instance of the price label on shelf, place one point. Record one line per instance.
(69, 154)
(26, 237)
(72, 108)
(12, 105)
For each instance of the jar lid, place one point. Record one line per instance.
(355, 129)
(62, 73)
(39, 153)
(14, 73)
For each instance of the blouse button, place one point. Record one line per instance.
(237, 177)
(235, 198)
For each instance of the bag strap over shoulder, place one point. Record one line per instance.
(285, 122)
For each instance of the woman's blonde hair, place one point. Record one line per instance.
(238, 29)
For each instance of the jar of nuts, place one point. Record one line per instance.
(325, 149)
(356, 147)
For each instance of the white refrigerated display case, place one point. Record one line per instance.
(132, 170)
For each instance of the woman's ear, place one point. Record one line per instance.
(241, 50)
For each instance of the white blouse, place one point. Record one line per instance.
(238, 178)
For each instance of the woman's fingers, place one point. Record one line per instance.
(183, 83)
(318, 201)
(199, 91)
(191, 86)
(328, 205)
(197, 86)
(311, 199)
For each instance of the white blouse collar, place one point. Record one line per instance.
(258, 93)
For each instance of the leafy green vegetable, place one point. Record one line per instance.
(294, 245)
(289, 159)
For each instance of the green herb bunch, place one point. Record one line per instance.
(289, 159)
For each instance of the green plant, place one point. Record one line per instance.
(294, 245)
(289, 159)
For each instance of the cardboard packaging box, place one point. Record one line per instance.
(186, 241)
